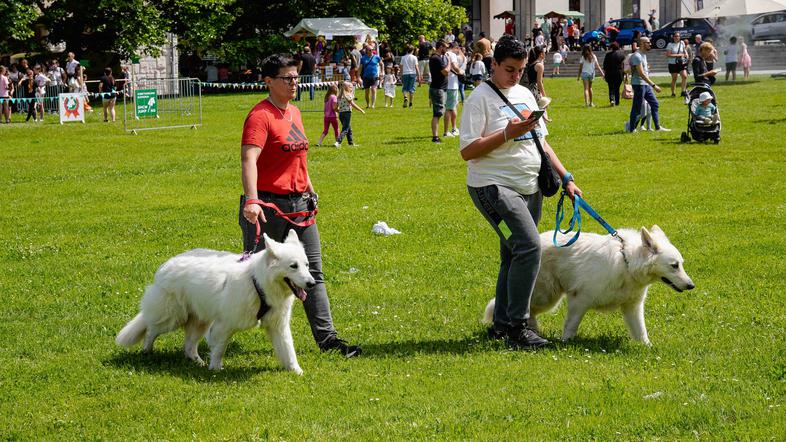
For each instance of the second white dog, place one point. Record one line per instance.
(602, 273)
(203, 289)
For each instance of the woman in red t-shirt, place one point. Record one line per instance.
(275, 170)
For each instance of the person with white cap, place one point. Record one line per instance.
(705, 110)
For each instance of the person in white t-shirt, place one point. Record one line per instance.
(410, 72)
(502, 180)
(452, 95)
(71, 64)
(730, 57)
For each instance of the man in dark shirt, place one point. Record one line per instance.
(439, 66)
(424, 52)
(306, 71)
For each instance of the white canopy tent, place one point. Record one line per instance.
(332, 27)
(733, 8)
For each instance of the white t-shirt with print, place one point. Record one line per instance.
(516, 163)
(452, 78)
(409, 64)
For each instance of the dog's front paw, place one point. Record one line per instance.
(297, 370)
(215, 367)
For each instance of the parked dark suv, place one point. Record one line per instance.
(687, 27)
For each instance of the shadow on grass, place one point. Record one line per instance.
(595, 344)
(468, 344)
(479, 343)
(173, 362)
(771, 121)
(408, 140)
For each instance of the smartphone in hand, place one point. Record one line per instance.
(536, 114)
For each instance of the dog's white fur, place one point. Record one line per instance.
(593, 274)
(203, 289)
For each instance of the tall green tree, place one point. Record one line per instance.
(123, 27)
(16, 24)
(258, 27)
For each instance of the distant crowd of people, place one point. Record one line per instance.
(25, 89)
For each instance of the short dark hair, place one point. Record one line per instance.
(273, 63)
(410, 49)
(509, 47)
(733, 40)
(441, 43)
(615, 46)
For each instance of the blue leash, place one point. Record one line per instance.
(575, 220)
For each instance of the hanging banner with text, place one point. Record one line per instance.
(71, 107)
(146, 103)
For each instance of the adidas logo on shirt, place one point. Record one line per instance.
(297, 140)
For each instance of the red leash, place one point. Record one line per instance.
(288, 216)
(311, 215)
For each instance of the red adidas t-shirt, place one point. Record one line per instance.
(282, 167)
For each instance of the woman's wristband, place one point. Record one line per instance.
(505, 133)
(566, 179)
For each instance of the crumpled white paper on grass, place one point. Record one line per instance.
(382, 228)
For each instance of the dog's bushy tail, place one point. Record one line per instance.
(133, 332)
(488, 315)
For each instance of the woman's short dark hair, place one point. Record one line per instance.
(733, 40)
(273, 63)
(509, 47)
(614, 46)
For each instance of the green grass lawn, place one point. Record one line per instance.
(89, 213)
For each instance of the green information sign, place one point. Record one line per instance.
(146, 103)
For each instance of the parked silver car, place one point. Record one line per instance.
(771, 26)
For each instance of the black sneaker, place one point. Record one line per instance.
(435, 140)
(341, 346)
(525, 338)
(495, 334)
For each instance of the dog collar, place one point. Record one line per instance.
(622, 250)
(263, 306)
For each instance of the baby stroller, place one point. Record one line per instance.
(698, 129)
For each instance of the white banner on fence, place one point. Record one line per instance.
(72, 107)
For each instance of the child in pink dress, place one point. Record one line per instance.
(745, 61)
(331, 119)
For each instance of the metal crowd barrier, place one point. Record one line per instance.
(162, 103)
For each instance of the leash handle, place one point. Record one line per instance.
(575, 220)
(311, 214)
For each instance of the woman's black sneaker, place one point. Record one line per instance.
(341, 346)
(525, 338)
(495, 334)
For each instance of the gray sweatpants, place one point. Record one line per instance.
(515, 219)
(317, 304)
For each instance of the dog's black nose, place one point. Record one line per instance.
(311, 284)
(690, 286)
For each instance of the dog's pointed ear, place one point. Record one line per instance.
(270, 245)
(292, 237)
(656, 229)
(648, 241)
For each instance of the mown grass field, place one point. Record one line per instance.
(89, 212)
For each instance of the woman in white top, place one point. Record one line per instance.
(587, 73)
(678, 63)
(478, 69)
(502, 180)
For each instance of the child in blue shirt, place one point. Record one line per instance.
(705, 111)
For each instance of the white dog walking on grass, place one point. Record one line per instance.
(603, 273)
(203, 289)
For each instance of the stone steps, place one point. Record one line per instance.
(763, 58)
